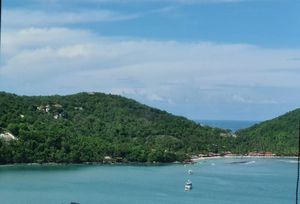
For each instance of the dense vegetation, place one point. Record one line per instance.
(91, 127)
(279, 135)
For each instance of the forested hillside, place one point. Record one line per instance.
(279, 135)
(92, 127)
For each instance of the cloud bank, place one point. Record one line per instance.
(51, 52)
(61, 60)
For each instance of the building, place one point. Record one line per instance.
(7, 136)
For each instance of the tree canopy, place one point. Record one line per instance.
(97, 127)
(87, 127)
(279, 135)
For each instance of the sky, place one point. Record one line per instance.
(202, 59)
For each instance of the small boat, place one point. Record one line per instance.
(190, 172)
(188, 185)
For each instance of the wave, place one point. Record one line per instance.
(250, 162)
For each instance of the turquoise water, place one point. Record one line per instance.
(233, 125)
(260, 181)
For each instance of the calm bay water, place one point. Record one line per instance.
(260, 181)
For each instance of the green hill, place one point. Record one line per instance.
(92, 127)
(279, 135)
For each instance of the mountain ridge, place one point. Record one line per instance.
(278, 135)
(92, 127)
(87, 127)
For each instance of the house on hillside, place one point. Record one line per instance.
(7, 136)
(57, 105)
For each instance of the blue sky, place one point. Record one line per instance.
(204, 59)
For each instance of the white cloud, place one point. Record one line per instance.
(14, 42)
(136, 91)
(43, 61)
(25, 18)
(242, 99)
(203, 63)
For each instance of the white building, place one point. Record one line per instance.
(7, 136)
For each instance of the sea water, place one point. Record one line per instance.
(215, 181)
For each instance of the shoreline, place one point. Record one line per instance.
(194, 160)
(88, 164)
(243, 157)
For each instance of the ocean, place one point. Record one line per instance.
(233, 125)
(215, 181)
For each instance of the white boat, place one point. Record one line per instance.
(188, 185)
(190, 171)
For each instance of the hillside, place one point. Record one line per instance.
(279, 135)
(92, 127)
